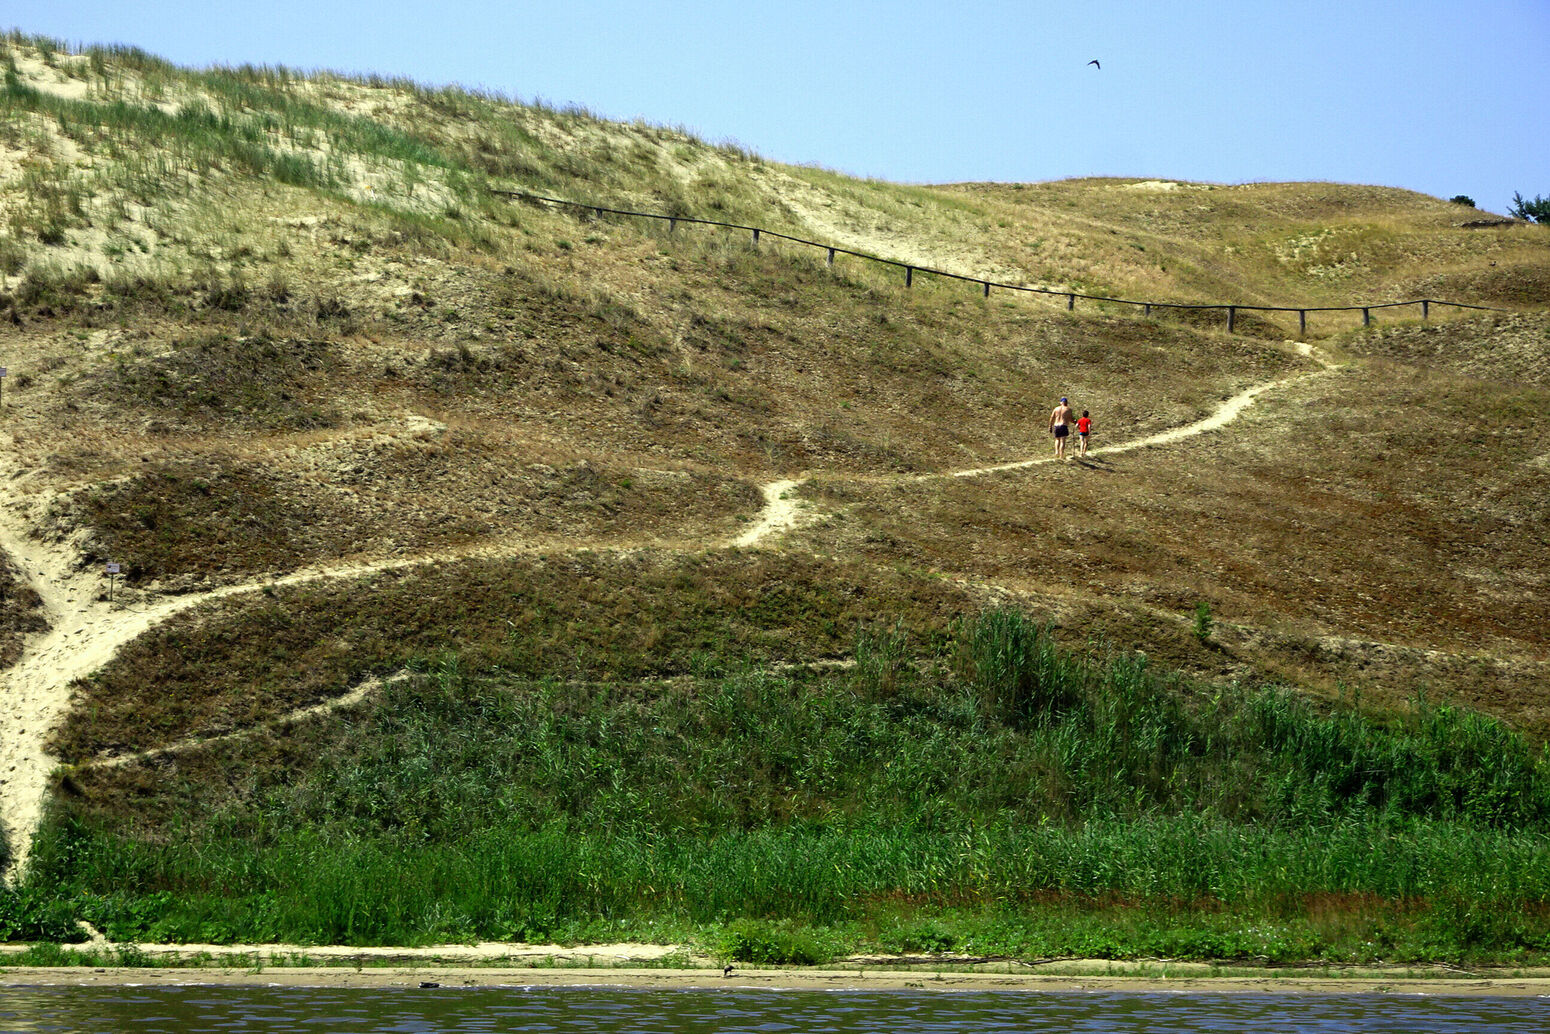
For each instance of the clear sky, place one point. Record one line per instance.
(1441, 97)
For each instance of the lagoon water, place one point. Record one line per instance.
(192, 1010)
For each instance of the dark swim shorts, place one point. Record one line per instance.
(1061, 430)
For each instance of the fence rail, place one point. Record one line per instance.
(1071, 297)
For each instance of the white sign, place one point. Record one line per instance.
(2, 371)
(113, 569)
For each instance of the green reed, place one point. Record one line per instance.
(512, 884)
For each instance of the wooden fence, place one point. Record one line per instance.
(1071, 297)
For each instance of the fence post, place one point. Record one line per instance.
(756, 238)
(1426, 307)
(909, 276)
(1302, 322)
(1146, 310)
(1366, 316)
(987, 288)
(672, 224)
(1070, 303)
(1232, 318)
(831, 256)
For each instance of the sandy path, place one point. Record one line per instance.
(1223, 415)
(86, 631)
(781, 512)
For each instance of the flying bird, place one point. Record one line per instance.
(1100, 67)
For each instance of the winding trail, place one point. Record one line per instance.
(85, 631)
(1223, 415)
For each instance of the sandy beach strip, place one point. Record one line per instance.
(386, 968)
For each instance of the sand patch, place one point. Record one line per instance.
(54, 81)
(782, 512)
(611, 966)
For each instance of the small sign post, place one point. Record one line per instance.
(113, 570)
(2, 385)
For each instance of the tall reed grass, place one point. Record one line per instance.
(312, 887)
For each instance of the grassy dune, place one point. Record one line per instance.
(1272, 692)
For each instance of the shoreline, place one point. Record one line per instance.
(451, 967)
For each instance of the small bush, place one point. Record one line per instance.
(929, 937)
(31, 915)
(767, 943)
(1204, 622)
(13, 257)
(229, 295)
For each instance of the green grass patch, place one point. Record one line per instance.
(793, 816)
(1171, 887)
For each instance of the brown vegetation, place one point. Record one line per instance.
(229, 364)
(600, 616)
(20, 612)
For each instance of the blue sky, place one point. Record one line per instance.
(1444, 98)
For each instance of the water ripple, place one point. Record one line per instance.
(248, 1010)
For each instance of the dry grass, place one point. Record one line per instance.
(225, 364)
(1380, 503)
(581, 615)
(217, 518)
(1506, 349)
(1266, 243)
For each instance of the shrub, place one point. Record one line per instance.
(1203, 621)
(33, 915)
(768, 943)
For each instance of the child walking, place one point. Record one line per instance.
(1084, 427)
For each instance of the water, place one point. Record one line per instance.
(237, 1010)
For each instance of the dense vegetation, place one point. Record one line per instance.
(981, 794)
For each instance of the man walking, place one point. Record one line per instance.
(1060, 427)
